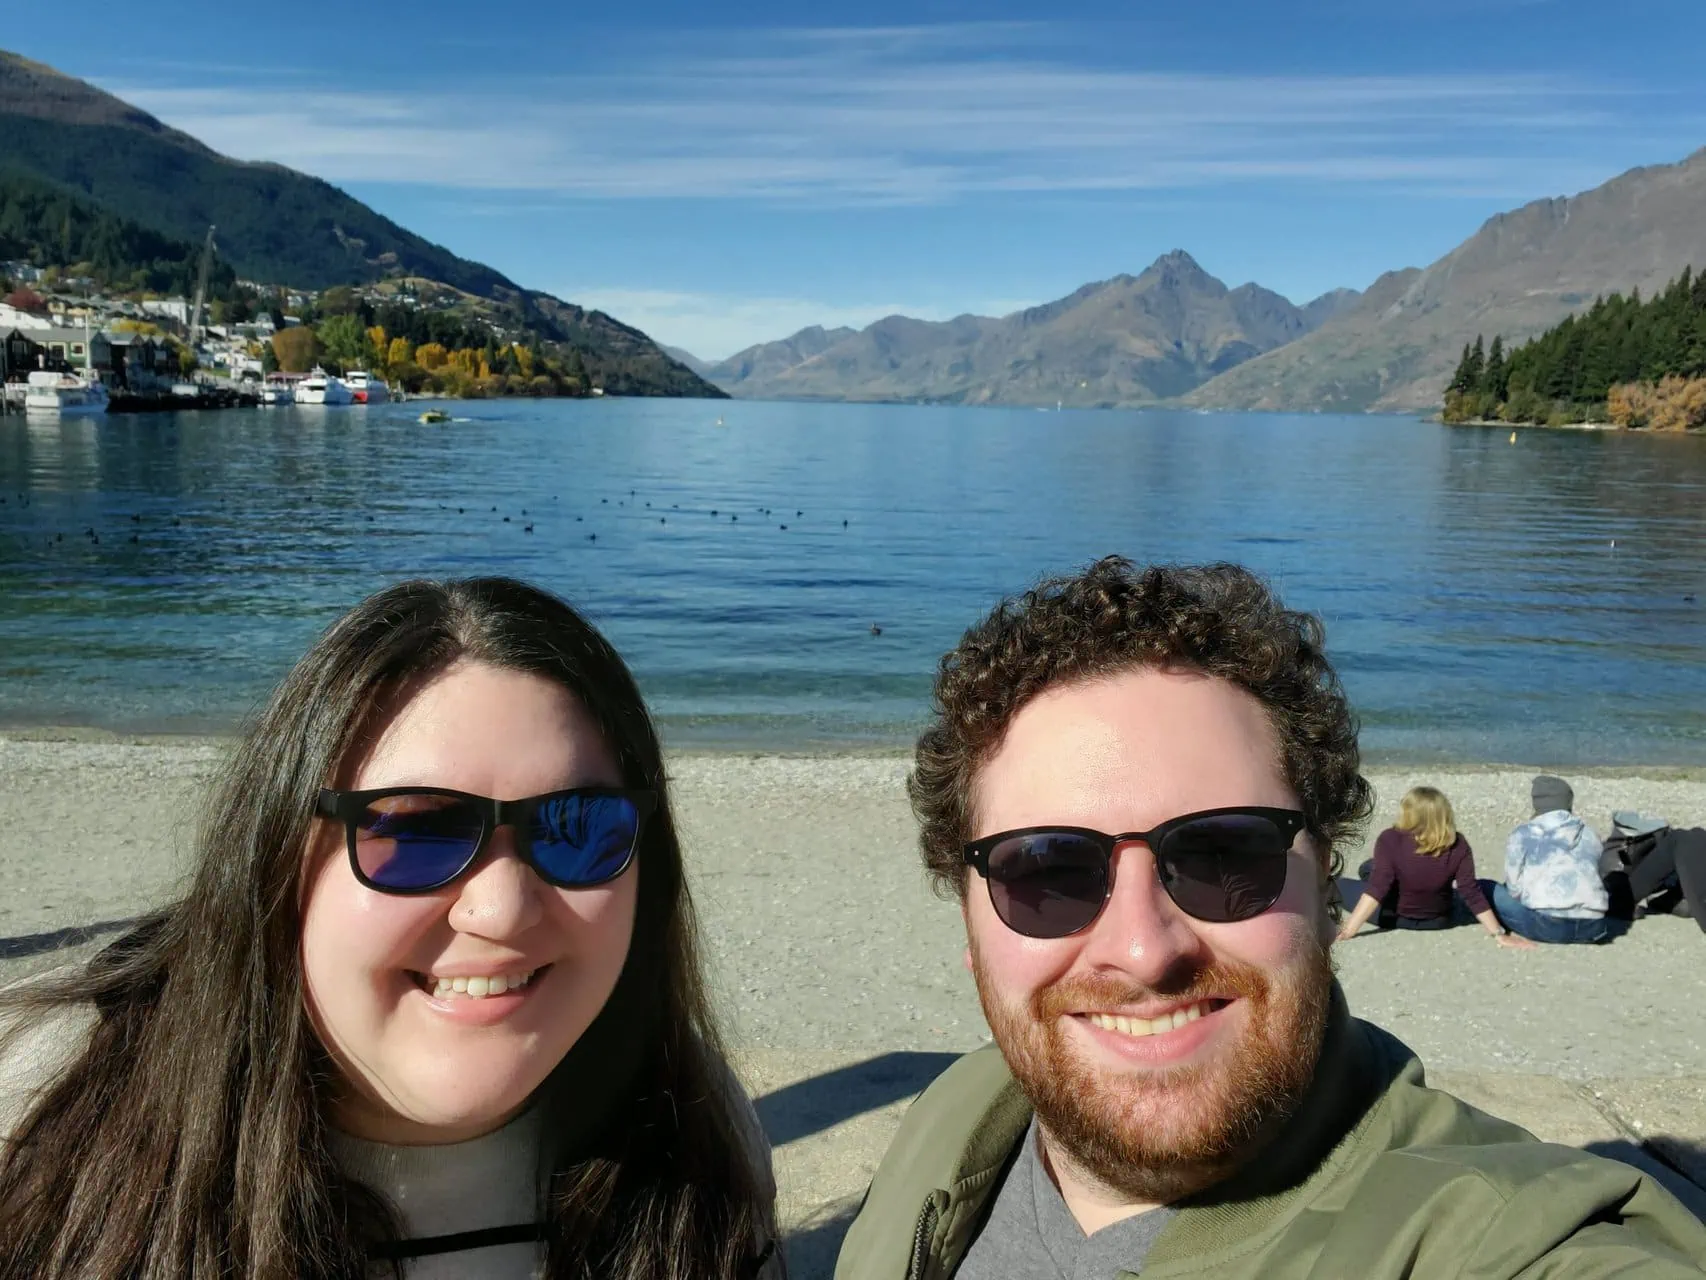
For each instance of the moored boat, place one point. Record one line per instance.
(64, 394)
(277, 389)
(365, 388)
(321, 387)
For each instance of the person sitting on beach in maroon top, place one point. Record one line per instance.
(1415, 864)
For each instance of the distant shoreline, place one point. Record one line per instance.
(1546, 426)
(211, 739)
(827, 750)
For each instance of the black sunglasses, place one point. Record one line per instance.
(1220, 865)
(417, 839)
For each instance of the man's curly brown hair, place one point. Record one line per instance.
(1218, 619)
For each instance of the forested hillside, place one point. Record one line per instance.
(47, 225)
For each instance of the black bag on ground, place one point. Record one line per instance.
(1633, 837)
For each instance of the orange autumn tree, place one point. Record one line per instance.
(297, 349)
(1674, 403)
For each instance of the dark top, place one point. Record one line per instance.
(1424, 883)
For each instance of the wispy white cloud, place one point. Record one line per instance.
(715, 326)
(916, 115)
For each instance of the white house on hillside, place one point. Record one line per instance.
(172, 308)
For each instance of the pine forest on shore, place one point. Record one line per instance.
(1624, 361)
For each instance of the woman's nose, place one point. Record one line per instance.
(501, 897)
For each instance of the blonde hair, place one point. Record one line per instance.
(1426, 814)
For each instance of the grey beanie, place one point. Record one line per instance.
(1551, 793)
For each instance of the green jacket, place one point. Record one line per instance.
(1376, 1176)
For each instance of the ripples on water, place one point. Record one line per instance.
(1474, 603)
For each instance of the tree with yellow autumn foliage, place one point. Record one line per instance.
(431, 356)
(1674, 403)
(1625, 404)
(297, 349)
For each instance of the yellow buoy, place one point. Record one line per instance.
(1513, 437)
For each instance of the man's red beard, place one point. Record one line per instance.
(1157, 1135)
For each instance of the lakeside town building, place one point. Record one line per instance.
(134, 345)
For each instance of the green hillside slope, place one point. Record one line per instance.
(46, 224)
(277, 226)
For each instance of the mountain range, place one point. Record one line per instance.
(278, 226)
(1132, 339)
(1172, 333)
(1175, 333)
(1519, 275)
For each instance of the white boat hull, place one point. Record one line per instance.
(365, 388)
(328, 391)
(56, 408)
(64, 396)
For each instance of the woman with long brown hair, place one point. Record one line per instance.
(431, 1005)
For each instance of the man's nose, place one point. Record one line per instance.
(501, 897)
(1140, 933)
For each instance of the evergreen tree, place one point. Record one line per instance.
(1477, 364)
(1694, 342)
(1558, 377)
(1461, 383)
(1495, 376)
(1599, 363)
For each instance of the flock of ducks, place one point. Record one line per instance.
(716, 513)
(526, 520)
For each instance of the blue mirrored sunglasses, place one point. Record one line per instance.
(417, 839)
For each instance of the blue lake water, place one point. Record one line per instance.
(1474, 602)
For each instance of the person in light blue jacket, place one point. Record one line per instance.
(1552, 890)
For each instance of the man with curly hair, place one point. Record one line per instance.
(1137, 784)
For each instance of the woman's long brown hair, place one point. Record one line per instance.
(190, 1138)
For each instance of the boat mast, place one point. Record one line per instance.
(200, 289)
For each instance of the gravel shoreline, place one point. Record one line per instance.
(822, 934)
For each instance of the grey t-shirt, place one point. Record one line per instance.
(1032, 1235)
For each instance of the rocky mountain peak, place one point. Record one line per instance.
(1176, 269)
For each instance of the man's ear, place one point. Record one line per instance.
(1327, 926)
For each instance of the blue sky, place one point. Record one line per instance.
(725, 174)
